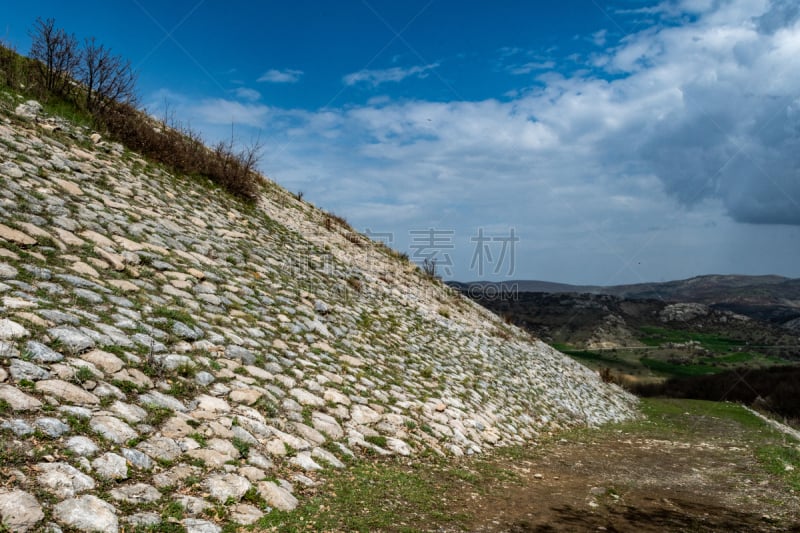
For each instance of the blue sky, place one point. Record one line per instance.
(620, 142)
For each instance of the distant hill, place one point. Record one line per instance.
(702, 325)
(775, 299)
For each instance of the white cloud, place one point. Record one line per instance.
(281, 76)
(248, 94)
(394, 74)
(692, 144)
(532, 66)
(599, 37)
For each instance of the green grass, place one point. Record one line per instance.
(672, 369)
(174, 314)
(67, 110)
(377, 495)
(656, 336)
(156, 415)
(782, 461)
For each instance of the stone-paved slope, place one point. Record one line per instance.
(168, 353)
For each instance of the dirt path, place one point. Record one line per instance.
(704, 477)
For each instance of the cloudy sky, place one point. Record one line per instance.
(581, 141)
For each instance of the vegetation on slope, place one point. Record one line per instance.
(93, 86)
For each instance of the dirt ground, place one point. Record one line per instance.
(705, 479)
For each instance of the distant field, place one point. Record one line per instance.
(657, 336)
(715, 354)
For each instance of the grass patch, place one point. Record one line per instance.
(782, 461)
(377, 440)
(656, 336)
(171, 313)
(382, 495)
(200, 438)
(672, 369)
(156, 415)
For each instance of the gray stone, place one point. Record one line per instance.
(73, 339)
(306, 398)
(243, 435)
(111, 466)
(18, 426)
(87, 513)
(113, 429)
(174, 476)
(52, 427)
(29, 109)
(222, 487)
(83, 283)
(160, 448)
(89, 296)
(259, 460)
(79, 412)
(276, 496)
(63, 480)
(19, 511)
(81, 445)
(105, 361)
(204, 378)
(149, 342)
(192, 504)
(162, 400)
(328, 457)
(8, 350)
(185, 332)
(171, 361)
(233, 351)
(398, 446)
(195, 525)
(303, 460)
(117, 336)
(308, 433)
(136, 493)
(10, 330)
(41, 353)
(131, 413)
(38, 272)
(137, 459)
(363, 415)
(18, 400)
(7, 271)
(321, 307)
(66, 391)
(59, 317)
(245, 514)
(304, 480)
(327, 425)
(20, 370)
(143, 520)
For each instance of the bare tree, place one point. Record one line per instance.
(106, 77)
(239, 169)
(57, 56)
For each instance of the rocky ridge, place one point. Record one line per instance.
(170, 354)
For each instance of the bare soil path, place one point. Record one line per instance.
(689, 471)
(684, 466)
